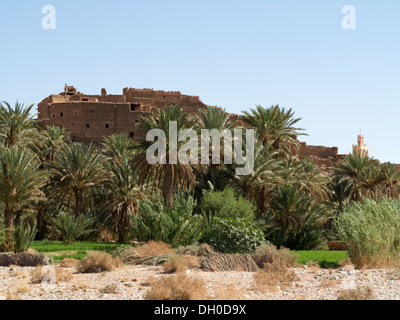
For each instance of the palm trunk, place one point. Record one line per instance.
(168, 186)
(8, 245)
(78, 210)
(261, 202)
(41, 220)
(122, 224)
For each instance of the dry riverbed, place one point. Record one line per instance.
(130, 283)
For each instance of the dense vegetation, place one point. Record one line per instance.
(54, 189)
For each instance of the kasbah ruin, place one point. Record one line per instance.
(91, 118)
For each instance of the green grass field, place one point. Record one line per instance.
(79, 250)
(326, 259)
(47, 246)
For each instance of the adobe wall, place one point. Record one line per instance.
(318, 151)
(91, 118)
(321, 156)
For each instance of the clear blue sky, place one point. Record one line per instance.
(234, 54)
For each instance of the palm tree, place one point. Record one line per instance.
(17, 127)
(50, 143)
(372, 181)
(275, 126)
(306, 175)
(124, 194)
(263, 179)
(340, 192)
(217, 118)
(391, 180)
(46, 146)
(216, 176)
(169, 177)
(119, 147)
(123, 190)
(354, 167)
(20, 183)
(75, 172)
(288, 207)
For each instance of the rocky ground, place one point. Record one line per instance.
(129, 283)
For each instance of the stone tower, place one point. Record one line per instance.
(361, 147)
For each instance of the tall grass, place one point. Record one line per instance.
(371, 231)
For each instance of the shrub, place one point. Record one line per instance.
(144, 253)
(268, 253)
(24, 259)
(71, 228)
(23, 235)
(60, 275)
(371, 231)
(275, 273)
(233, 235)
(153, 249)
(225, 204)
(177, 287)
(357, 294)
(228, 262)
(98, 262)
(176, 226)
(180, 263)
(202, 250)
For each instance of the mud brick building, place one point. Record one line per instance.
(91, 118)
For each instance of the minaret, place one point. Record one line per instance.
(361, 147)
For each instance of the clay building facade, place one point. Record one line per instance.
(91, 118)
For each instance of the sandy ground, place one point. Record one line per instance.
(129, 283)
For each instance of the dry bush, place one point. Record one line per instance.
(22, 288)
(180, 263)
(154, 249)
(227, 293)
(357, 294)
(98, 262)
(274, 276)
(228, 262)
(152, 253)
(69, 263)
(268, 253)
(61, 275)
(345, 262)
(176, 287)
(272, 280)
(203, 250)
(24, 260)
(109, 289)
